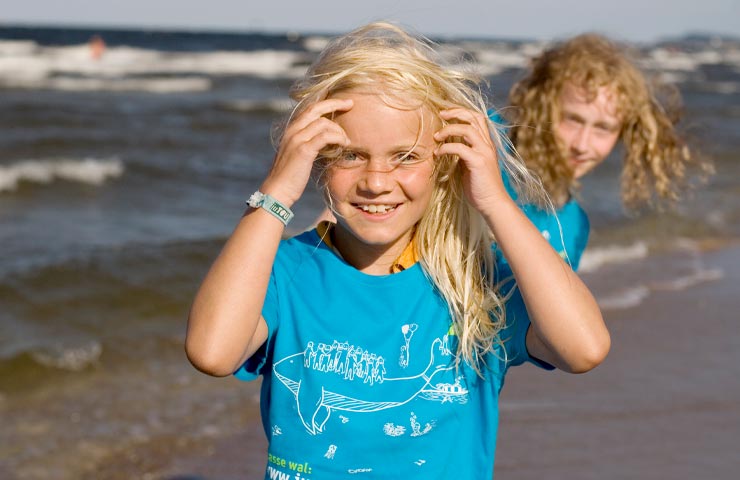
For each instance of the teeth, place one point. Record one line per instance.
(377, 208)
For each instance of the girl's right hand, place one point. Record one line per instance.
(304, 137)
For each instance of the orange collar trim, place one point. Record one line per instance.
(407, 259)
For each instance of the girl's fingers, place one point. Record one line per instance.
(464, 115)
(465, 131)
(318, 110)
(472, 128)
(461, 150)
(303, 139)
(320, 128)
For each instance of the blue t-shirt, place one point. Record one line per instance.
(567, 230)
(360, 377)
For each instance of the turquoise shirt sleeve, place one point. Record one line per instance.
(567, 229)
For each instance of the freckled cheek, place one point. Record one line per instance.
(564, 134)
(339, 185)
(605, 147)
(417, 183)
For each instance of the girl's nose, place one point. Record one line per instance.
(580, 142)
(375, 181)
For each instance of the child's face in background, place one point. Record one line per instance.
(588, 130)
(381, 187)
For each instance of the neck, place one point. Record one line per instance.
(368, 258)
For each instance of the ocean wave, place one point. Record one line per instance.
(633, 296)
(493, 60)
(668, 59)
(149, 85)
(623, 299)
(680, 268)
(90, 171)
(28, 65)
(723, 88)
(315, 43)
(270, 105)
(595, 258)
(73, 359)
(687, 281)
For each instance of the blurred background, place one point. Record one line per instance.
(130, 136)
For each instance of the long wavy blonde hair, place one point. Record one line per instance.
(657, 161)
(452, 239)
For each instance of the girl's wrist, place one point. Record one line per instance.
(285, 198)
(498, 211)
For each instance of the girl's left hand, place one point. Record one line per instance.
(478, 158)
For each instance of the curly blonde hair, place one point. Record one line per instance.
(452, 239)
(657, 161)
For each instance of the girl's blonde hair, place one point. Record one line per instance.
(657, 161)
(452, 239)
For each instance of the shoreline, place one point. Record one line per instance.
(665, 403)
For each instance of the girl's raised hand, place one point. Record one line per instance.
(304, 137)
(477, 153)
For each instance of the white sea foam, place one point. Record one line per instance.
(90, 171)
(687, 281)
(627, 298)
(493, 61)
(686, 252)
(634, 296)
(315, 43)
(595, 258)
(74, 359)
(664, 59)
(17, 47)
(151, 85)
(28, 65)
(279, 105)
(724, 88)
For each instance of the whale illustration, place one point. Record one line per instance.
(315, 403)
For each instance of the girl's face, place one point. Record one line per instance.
(382, 182)
(588, 130)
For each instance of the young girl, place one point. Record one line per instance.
(578, 99)
(383, 339)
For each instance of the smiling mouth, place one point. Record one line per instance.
(379, 208)
(579, 160)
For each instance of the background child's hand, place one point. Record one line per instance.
(478, 158)
(302, 141)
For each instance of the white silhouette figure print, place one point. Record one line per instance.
(408, 332)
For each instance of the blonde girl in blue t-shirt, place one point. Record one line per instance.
(383, 339)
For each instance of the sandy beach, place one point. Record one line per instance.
(665, 404)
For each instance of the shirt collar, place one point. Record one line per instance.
(407, 259)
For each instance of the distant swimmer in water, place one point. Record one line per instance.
(97, 47)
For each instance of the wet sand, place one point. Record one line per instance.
(665, 404)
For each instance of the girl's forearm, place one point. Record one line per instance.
(224, 323)
(568, 330)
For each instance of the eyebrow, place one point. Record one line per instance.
(399, 148)
(600, 124)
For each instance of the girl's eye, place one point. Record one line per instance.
(604, 129)
(406, 158)
(348, 159)
(571, 120)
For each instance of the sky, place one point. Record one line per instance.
(629, 20)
